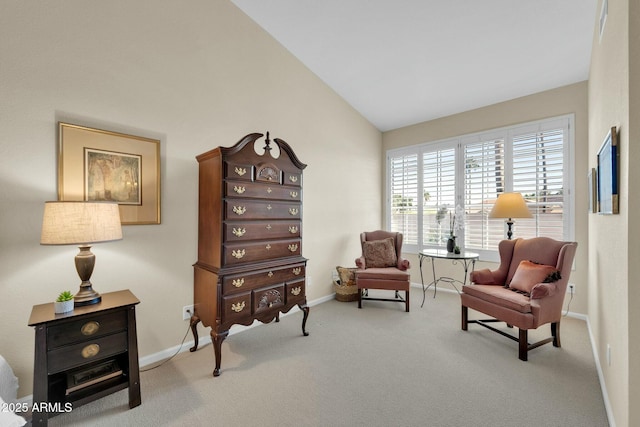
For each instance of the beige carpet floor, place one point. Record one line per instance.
(377, 366)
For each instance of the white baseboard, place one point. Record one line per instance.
(151, 359)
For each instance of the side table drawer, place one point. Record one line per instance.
(86, 328)
(70, 356)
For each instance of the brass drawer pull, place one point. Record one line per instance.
(238, 282)
(239, 232)
(293, 194)
(293, 229)
(293, 247)
(238, 254)
(90, 350)
(90, 328)
(293, 211)
(238, 307)
(239, 209)
(296, 291)
(297, 270)
(293, 178)
(239, 190)
(241, 171)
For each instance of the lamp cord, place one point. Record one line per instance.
(569, 303)
(173, 355)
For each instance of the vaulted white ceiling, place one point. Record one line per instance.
(400, 62)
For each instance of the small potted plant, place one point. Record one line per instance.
(64, 302)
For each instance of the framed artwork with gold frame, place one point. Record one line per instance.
(101, 165)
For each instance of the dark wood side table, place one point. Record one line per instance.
(84, 355)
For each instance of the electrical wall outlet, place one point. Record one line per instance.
(571, 289)
(187, 312)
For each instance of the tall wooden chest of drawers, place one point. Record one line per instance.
(250, 263)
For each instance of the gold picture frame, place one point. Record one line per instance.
(97, 165)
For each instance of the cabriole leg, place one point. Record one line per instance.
(217, 339)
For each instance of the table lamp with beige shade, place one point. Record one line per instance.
(82, 224)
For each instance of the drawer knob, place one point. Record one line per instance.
(293, 247)
(238, 307)
(90, 328)
(293, 211)
(293, 229)
(268, 246)
(268, 227)
(239, 232)
(241, 171)
(240, 189)
(293, 178)
(238, 254)
(269, 207)
(238, 282)
(270, 274)
(269, 190)
(90, 350)
(296, 291)
(293, 194)
(239, 209)
(297, 270)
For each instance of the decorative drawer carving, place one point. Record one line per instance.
(241, 231)
(259, 190)
(235, 253)
(268, 299)
(260, 278)
(70, 332)
(238, 209)
(70, 356)
(238, 171)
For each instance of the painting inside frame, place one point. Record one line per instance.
(112, 177)
(100, 165)
(608, 160)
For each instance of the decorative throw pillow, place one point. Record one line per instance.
(380, 253)
(347, 276)
(530, 274)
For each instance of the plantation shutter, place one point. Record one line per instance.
(439, 191)
(538, 173)
(484, 179)
(404, 203)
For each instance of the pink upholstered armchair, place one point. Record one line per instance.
(381, 266)
(527, 290)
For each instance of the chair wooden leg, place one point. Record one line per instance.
(465, 317)
(555, 332)
(407, 300)
(523, 345)
(360, 298)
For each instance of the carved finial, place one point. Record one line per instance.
(267, 147)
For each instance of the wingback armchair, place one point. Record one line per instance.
(526, 291)
(381, 266)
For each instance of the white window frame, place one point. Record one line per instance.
(565, 121)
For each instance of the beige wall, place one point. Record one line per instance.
(194, 77)
(565, 100)
(613, 249)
